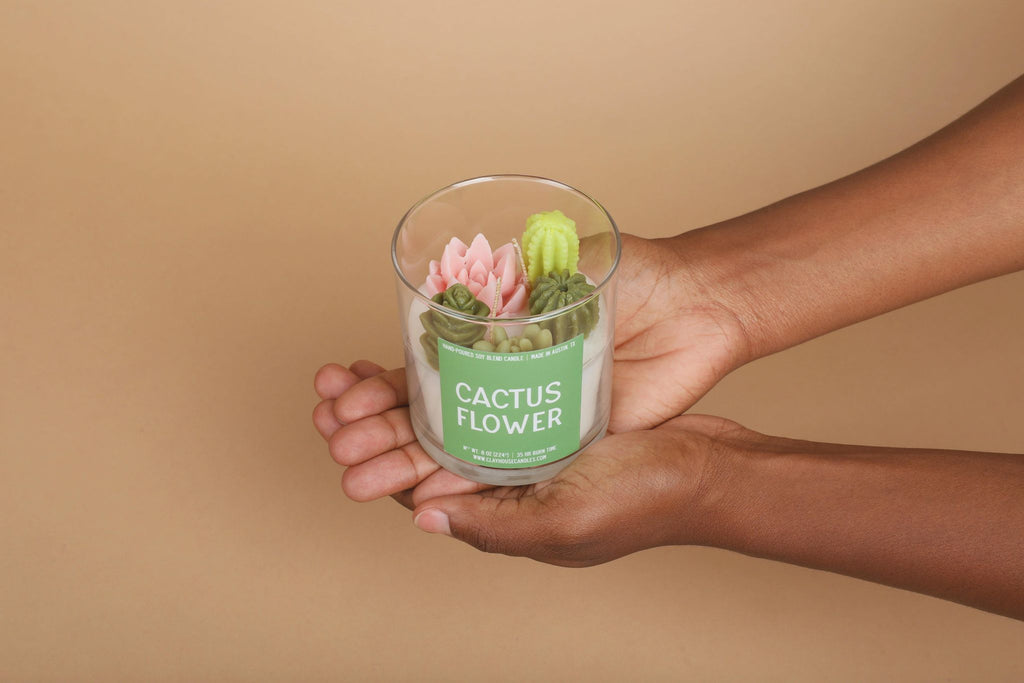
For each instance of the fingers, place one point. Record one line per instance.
(332, 380)
(444, 483)
(358, 442)
(366, 369)
(324, 420)
(371, 396)
(511, 526)
(365, 418)
(388, 473)
(403, 471)
(440, 483)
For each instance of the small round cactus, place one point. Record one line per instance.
(534, 337)
(555, 291)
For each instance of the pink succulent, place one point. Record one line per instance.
(480, 269)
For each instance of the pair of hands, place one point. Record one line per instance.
(635, 489)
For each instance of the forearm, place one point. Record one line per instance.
(944, 213)
(943, 523)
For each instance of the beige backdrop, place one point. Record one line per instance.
(196, 203)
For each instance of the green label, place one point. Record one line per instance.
(511, 410)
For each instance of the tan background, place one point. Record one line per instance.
(196, 202)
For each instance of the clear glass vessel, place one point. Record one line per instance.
(515, 412)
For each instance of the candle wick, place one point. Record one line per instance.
(494, 308)
(520, 260)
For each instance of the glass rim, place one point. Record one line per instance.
(459, 315)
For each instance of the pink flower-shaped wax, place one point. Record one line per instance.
(479, 268)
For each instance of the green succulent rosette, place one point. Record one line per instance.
(461, 332)
(558, 290)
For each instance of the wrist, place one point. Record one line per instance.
(714, 461)
(715, 270)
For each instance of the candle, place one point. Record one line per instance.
(508, 349)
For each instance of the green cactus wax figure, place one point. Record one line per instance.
(461, 332)
(533, 338)
(555, 291)
(550, 244)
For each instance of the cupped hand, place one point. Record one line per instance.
(624, 493)
(364, 416)
(673, 342)
(674, 337)
(627, 492)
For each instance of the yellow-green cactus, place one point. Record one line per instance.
(461, 332)
(555, 291)
(550, 244)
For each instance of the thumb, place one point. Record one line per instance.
(510, 526)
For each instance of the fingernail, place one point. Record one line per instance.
(433, 521)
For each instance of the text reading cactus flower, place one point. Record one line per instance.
(511, 410)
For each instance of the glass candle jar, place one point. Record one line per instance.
(509, 377)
